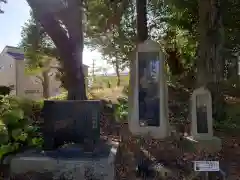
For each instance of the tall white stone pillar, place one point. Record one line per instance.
(148, 97)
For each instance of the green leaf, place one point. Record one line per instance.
(37, 142)
(18, 134)
(3, 134)
(12, 117)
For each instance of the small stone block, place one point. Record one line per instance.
(79, 165)
(210, 145)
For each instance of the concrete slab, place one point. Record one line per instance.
(210, 145)
(72, 167)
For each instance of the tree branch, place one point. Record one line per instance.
(40, 78)
(55, 67)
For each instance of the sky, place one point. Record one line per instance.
(16, 13)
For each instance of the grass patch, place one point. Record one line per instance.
(109, 94)
(232, 121)
(104, 81)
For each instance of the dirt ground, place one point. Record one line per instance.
(169, 152)
(172, 156)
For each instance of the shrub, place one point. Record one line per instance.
(125, 90)
(62, 96)
(121, 111)
(18, 129)
(4, 90)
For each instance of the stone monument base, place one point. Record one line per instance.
(69, 162)
(208, 145)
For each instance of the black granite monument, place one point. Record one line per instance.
(71, 122)
(72, 144)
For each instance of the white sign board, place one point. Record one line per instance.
(206, 166)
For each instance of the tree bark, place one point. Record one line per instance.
(142, 29)
(210, 62)
(118, 74)
(142, 35)
(69, 42)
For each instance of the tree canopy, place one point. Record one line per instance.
(2, 1)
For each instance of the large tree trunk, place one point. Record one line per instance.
(210, 63)
(142, 30)
(71, 55)
(142, 35)
(68, 39)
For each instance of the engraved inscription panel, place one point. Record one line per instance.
(71, 121)
(201, 111)
(148, 84)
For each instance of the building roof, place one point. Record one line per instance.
(17, 53)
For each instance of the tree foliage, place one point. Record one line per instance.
(39, 52)
(36, 43)
(172, 23)
(2, 1)
(115, 30)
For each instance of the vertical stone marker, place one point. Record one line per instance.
(202, 123)
(148, 101)
(201, 113)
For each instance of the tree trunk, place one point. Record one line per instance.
(71, 55)
(118, 74)
(209, 62)
(142, 29)
(68, 40)
(233, 76)
(45, 84)
(142, 35)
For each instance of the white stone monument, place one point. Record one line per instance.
(201, 114)
(148, 101)
(202, 122)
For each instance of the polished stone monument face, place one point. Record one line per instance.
(71, 122)
(148, 86)
(201, 113)
(148, 101)
(201, 109)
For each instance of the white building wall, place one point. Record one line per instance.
(28, 85)
(33, 87)
(7, 69)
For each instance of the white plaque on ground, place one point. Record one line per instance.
(206, 166)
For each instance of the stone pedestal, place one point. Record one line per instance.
(209, 145)
(71, 163)
(202, 139)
